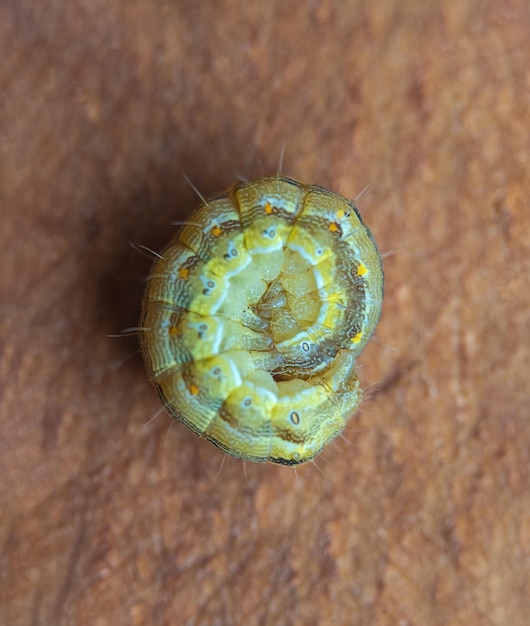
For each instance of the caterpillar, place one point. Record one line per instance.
(254, 315)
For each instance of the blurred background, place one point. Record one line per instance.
(108, 516)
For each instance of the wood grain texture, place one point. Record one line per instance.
(110, 518)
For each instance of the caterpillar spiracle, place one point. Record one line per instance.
(255, 314)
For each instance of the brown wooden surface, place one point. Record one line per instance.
(108, 518)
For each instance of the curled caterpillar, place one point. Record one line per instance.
(254, 316)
